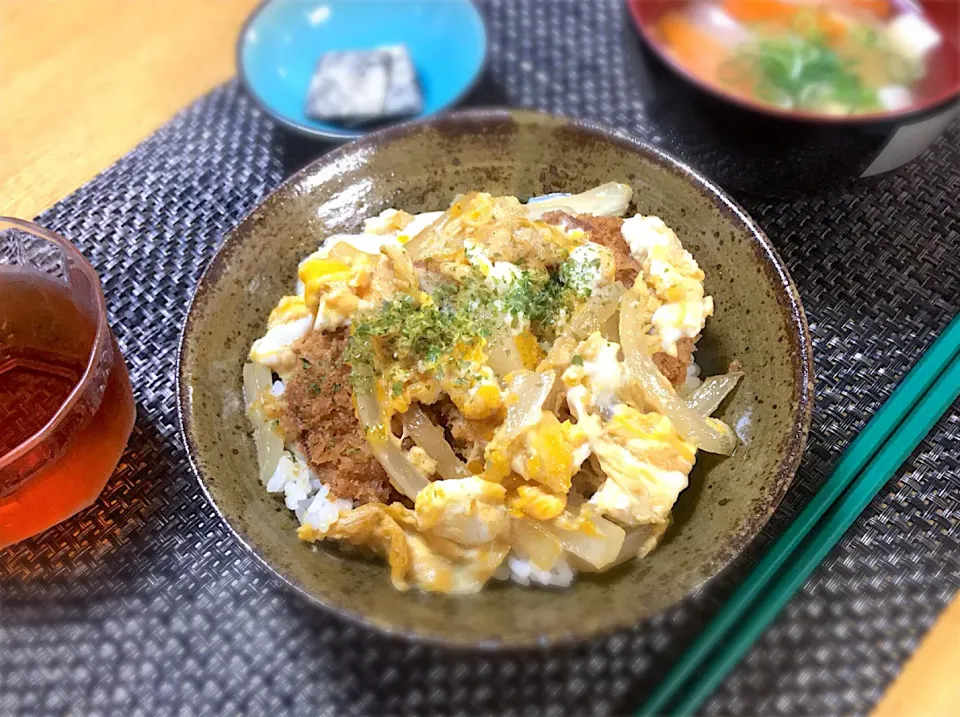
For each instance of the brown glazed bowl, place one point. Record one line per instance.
(420, 166)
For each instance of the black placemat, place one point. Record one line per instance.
(145, 604)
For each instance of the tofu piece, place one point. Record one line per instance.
(912, 36)
(894, 97)
(357, 86)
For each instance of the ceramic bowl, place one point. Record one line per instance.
(420, 166)
(759, 149)
(281, 42)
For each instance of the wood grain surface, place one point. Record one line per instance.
(83, 81)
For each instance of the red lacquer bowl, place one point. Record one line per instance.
(766, 149)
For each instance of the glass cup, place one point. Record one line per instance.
(66, 405)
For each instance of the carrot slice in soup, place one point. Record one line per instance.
(829, 20)
(832, 24)
(760, 10)
(880, 9)
(692, 47)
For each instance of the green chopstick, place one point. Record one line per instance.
(838, 520)
(916, 384)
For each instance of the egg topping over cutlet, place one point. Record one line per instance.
(449, 390)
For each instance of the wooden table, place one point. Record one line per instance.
(83, 81)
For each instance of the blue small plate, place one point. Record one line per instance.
(282, 40)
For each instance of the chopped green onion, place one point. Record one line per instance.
(800, 71)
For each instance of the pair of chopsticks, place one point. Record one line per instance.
(927, 392)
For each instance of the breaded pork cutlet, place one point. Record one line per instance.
(602, 230)
(320, 414)
(606, 231)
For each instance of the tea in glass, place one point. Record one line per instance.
(66, 404)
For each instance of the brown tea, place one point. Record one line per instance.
(45, 349)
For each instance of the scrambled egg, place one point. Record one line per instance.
(537, 462)
(550, 452)
(343, 279)
(593, 381)
(503, 445)
(673, 275)
(646, 463)
(469, 511)
(536, 501)
(389, 221)
(420, 459)
(443, 566)
(350, 272)
(520, 493)
(332, 285)
(644, 459)
(501, 226)
(592, 266)
(288, 323)
(528, 347)
(500, 275)
(399, 224)
(465, 377)
(477, 210)
(473, 387)
(423, 557)
(400, 392)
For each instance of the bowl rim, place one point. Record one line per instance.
(788, 300)
(939, 101)
(345, 134)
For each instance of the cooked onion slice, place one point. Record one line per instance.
(257, 379)
(404, 476)
(502, 354)
(596, 541)
(432, 242)
(710, 394)
(607, 200)
(269, 451)
(611, 329)
(531, 540)
(637, 544)
(650, 387)
(429, 238)
(430, 438)
(590, 316)
(531, 389)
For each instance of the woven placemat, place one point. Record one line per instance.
(145, 604)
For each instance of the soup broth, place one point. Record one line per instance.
(839, 57)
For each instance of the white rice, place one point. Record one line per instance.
(303, 492)
(523, 572)
(292, 478)
(319, 512)
(693, 381)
